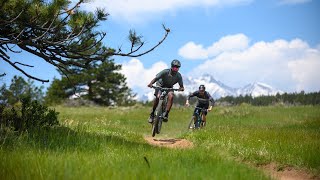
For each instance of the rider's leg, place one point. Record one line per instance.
(170, 101)
(204, 119)
(155, 101)
(155, 104)
(169, 105)
(204, 116)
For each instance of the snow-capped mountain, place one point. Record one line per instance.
(218, 89)
(257, 89)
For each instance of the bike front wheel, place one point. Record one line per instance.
(191, 123)
(155, 126)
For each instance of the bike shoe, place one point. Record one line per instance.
(165, 117)
(150, 120)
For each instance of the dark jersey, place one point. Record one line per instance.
(202, 99)
(167, 80)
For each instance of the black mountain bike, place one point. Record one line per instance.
(196, 119)
(161, 108)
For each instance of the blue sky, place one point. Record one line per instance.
(236, 41)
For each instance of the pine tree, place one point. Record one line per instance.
(59, 33)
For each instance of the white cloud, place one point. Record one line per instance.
(133, 10)
(306, 72)
(193, 51)
(287, 65)
(229, 43)
(138, 77)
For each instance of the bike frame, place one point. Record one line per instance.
(162, 104)
(198, 115)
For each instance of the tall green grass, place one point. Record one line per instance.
(288, 136)
(108, 143)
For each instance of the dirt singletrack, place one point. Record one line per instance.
(287, 173)
(169, 142)
(270, 169)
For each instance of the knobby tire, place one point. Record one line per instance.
(191, 123)
(156, 126)
(159, 114)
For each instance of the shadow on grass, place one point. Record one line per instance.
(65, 139)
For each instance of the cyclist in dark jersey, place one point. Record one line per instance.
(166, 79)
(204, 99)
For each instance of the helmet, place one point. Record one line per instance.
(175, 62)
(202, 87)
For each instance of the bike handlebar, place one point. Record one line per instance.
(165, 89)
(202, 109)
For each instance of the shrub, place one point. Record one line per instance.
(27, 115)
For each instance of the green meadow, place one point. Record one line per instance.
(108, 143)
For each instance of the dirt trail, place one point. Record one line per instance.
(169, 142)
(286, 173)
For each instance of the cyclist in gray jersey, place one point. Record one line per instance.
(204, 98)
(166, 79)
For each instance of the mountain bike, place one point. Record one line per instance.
(161, 108)
(196, 119)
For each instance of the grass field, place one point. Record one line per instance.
(108, 143)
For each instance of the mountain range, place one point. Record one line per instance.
(218, 89)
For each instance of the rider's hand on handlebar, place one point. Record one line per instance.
(181, 88)
(150, 85)
(187, 103)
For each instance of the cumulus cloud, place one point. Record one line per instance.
(138, 76)
(287, 65)
(133, 10)
(306, 72)
(229, 43)
(193, 51)
(290, 66)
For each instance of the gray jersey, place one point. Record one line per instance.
(166, 79)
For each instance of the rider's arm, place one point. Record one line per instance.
(152, 82)
(158, 76)
(188, 98)
(211, 102)
(181, 83)
(187, 103)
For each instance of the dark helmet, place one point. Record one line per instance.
(175, 62)
(202, 87)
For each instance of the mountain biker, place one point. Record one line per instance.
(166, 79)
(204, 99)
